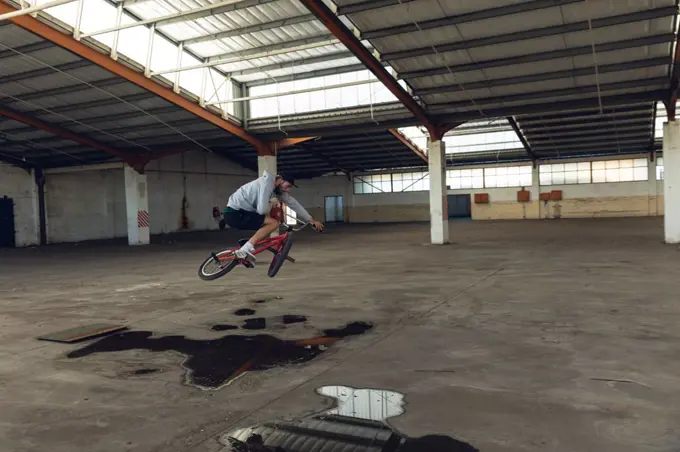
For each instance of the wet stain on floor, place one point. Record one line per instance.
(260, 323)
(146, 371)
(213, 363)
(223, 327)
(244, 312)
(345, 427)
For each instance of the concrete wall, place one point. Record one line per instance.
(85, 205)
(312, 193)
(579, 201)
(390, 207)
(19, 185)
(202, 180)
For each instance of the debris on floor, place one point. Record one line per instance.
(215, 363)
(363, 429)
(82, 333)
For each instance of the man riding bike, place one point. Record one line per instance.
(249, 207)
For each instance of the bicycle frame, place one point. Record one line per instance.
(273, 244)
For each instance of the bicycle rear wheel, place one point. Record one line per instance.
(280, 257)
(212, 269)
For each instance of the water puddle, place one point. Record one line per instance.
(261, 323)
(214, 363)
(146, 371)
(244, 312)
(356, 422)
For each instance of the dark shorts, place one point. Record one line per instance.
(242, 219)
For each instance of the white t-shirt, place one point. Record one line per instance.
(255, 195)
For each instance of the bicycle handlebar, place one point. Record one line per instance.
(303, 224)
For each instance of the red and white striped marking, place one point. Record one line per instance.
(143, 219)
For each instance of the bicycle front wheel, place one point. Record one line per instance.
(212, 269)
(280, 257)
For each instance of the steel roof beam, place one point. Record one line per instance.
(533, 34)
(45, 71)
(573, 121)
(294, 63)
(28, 48)
(589, 89)
(556, 106)
(94, 104)
(258, 52)
(671, 100)
(586, 128)
(545, 76)
(211, 9)
(368, 5)
(340, 30)
(640, 108)
(366, 151)
(78, 48)
(543, 56)
(17, 116)
(412, 147)
(474, 16)
(518, 132)
(275, 49)
(305, 75)
(251, 29)
(576, 146)
(613, 138)
(80, 87)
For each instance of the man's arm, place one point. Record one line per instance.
(296, 206)
(265, 187)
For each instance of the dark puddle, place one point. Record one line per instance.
(357, 422)
(213, 363)
(260, 323)
(244, 312)
(223, 327)
(146, 371)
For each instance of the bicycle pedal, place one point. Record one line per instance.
(247, 263)
(214, 256)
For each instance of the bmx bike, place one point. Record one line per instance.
(222, 262)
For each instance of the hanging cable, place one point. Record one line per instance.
(597, 72)
(109, 94)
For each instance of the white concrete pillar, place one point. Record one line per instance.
(266, 162)
(439, 211)
(137, 207)
(671, 183)
(651, 187)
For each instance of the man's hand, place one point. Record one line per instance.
(317, 225)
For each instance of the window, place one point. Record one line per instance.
(467, 178)
(478, 142)
(416, 181)
(371, 92)
(291, 216)
(619, 170)
(659, 168)
(507, 176)
(565, 173)
(372, 183)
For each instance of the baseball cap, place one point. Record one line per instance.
(288, 178)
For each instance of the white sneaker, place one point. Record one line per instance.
(245, 255)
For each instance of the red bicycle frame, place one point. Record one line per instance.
(273, 244)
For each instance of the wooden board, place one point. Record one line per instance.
(82, 332)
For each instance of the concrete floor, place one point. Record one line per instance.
(520, 336)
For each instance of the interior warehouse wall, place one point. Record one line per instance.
(622, 199)
(182, 190)
(313, 192)
(19, 185)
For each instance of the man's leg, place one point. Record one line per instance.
(270, 225)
